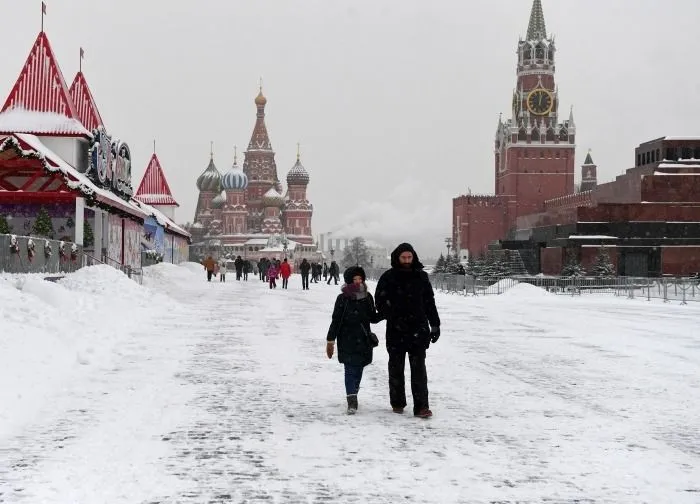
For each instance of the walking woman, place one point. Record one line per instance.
(353, 312)
(272, 273)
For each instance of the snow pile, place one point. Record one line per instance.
(525, 291)
(193, 267)
(50, 331)
(502, 285)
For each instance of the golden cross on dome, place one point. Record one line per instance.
(260, 84)
(211, 149)
(298, 151)
(235, 154)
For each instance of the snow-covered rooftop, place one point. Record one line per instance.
(20, 120)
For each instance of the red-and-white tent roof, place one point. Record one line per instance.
(39, 102)
(85, 104)
(154, 188)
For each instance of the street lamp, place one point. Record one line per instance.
(285, 242)
(448, 241)
(332, 252)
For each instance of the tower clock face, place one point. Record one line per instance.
(540, 101)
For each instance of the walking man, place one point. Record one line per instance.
(304, 268)
(209, 266)
(222, 270)
(405, 298)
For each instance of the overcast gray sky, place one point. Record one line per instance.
(395, 103)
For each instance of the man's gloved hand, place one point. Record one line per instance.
(434, 334)
(330, 346)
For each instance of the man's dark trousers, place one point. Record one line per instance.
(419, 379)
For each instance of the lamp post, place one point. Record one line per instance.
(448, 242)
(285, 242)
(332, 252)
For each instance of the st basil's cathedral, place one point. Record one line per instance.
(246, 211)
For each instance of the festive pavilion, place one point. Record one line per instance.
(57, 159)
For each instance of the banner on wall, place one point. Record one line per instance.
(153, 237)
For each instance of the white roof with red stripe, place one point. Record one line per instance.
(154, 188)
(84, 103)
(40, 102)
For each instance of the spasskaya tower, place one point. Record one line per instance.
(534, 150)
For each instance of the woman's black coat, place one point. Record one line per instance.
(350, 327)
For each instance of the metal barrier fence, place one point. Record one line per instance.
(681, 289)
(27, 254)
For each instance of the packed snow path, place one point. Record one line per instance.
(222, 393)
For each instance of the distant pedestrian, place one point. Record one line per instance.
(222, 271)
(209, 266)
(406, 300)
(272, 273)
(333, 273)
(238, 264)
(350, 326)
(304, 269)
(285, 272)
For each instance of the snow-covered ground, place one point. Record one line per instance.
(187, 391)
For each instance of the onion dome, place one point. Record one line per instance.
(234, 179)
(210, 179)
(298, 174)
(260, 100)
(219, 201)
(272, 199)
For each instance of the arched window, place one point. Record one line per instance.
(535, 135)
(639, 160)
(563, 135)
(658, 154)
(522, 135)
(527, 53)
(696, 153)
(550, 134)
(648, 158)
(539, 52)
(687, 153)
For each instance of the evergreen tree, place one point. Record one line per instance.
(5, 227)
(356, 253)
(451, 265)
(573, 268)
(480, 265)
(440, 265)
(603, 266)
(88, 237)
(472, 267)
(43, 226)
(500, 268)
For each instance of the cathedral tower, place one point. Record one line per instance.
(260, 168)
(534, 150)
(298, 210)
(235, 212)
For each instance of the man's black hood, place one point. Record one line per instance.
(405, 247)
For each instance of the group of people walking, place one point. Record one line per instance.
(220, 268)
(405, 299)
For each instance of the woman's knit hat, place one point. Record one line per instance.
(352, 272)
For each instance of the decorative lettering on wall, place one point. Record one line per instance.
(110, 164)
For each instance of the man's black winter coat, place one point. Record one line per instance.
(406, 299)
